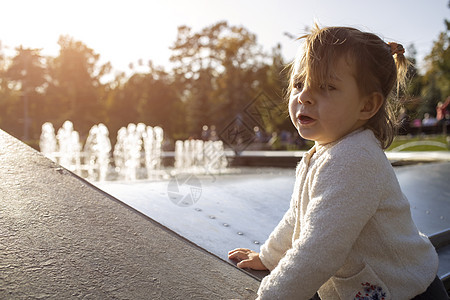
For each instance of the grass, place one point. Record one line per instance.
(420, 143)
(404, 143)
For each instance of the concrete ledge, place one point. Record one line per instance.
(419, 156)
(60, 238)
(289, 159)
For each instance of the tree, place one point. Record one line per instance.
(26, 76)
(160, 104)
(149, 98)
(219, 71)
(414, 79)
(411, 97)
(122, 103)
(194, 74)
(273, 79)
(76, 92)
(4, 89)
(436, 81)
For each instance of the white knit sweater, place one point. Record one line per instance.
(348, 231)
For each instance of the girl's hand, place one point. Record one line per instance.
(247, 259)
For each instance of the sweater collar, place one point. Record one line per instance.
(320, 149)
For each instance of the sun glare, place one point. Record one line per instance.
(117, 31)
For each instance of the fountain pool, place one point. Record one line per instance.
(241, 209)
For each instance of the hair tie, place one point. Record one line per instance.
(396, 48)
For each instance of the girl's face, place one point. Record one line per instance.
(325, 114)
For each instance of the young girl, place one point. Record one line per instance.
(348, 233)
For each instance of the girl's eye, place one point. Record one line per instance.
(327, 87)
(298, 85)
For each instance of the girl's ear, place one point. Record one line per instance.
(372, 104)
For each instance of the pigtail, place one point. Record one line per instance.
(401, 63)
(386, 124)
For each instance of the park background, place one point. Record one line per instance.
(211, 72)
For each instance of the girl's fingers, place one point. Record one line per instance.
(239, 254)
(244, 264)
(239, 249)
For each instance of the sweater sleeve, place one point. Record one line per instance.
(344, 195)
(279, 241)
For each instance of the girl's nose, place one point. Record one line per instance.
(305, 97)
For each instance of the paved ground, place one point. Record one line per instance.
(60, 238)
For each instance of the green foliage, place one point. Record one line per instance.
(424, 92)
(75, 92)
(439, 63)
(26, 70)
(420, 143)
(436, 81)
(220, 70)
(149, 98)
(21, 95)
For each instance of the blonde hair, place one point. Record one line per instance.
(376, 69)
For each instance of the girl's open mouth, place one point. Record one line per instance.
(304, 120)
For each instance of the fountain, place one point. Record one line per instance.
(47, 142)
(200, 157)
(96, 153)
(136, 155)
(67, 151)
(153, 139)
(127, 152)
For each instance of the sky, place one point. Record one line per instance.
(124, 32)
